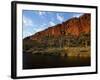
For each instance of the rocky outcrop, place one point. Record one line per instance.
(73, 26)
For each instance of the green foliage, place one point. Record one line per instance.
(58, 42)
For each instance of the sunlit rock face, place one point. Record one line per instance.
(73, 26)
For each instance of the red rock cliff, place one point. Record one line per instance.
(73, 26)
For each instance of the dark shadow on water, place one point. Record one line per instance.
(34, 61)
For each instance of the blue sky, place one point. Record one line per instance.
(35, 21)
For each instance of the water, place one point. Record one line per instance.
(33, 61)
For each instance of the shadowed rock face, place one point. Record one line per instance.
(73, 26)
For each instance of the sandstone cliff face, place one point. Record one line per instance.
(73, 26)
(85, 22)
